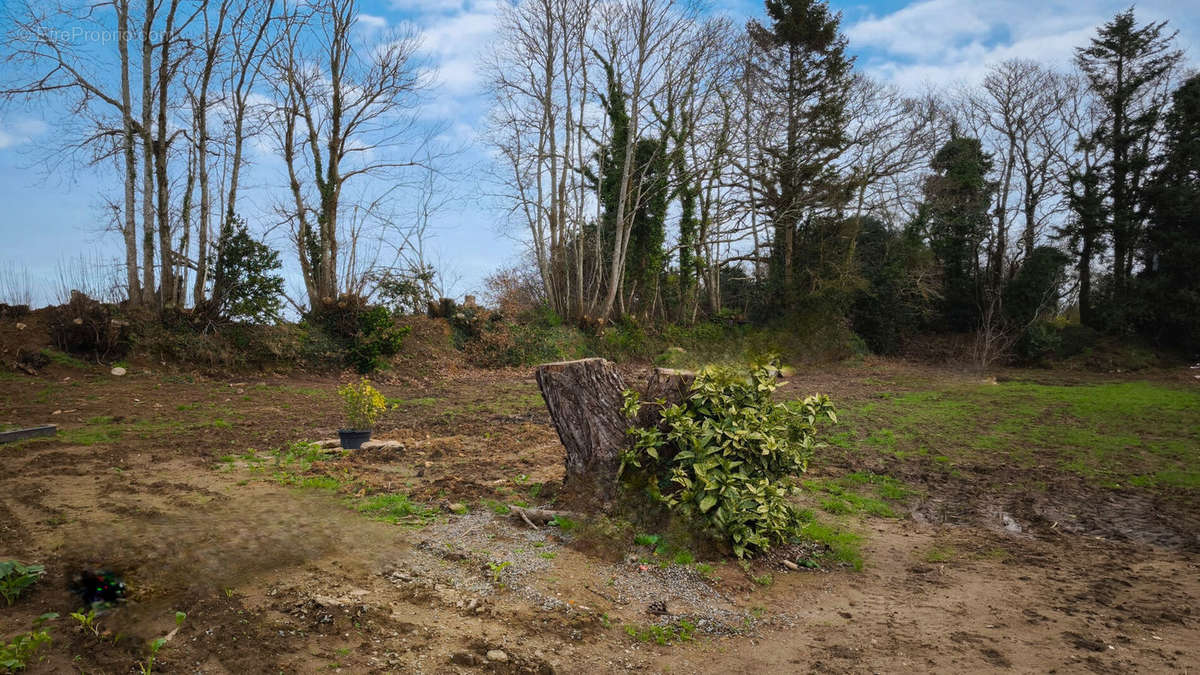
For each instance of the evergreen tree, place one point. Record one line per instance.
(1172, 255)
(249, 271)
(1085, 231)
(1126, 65)
(955, 219)
(801, 79)
(895, 304)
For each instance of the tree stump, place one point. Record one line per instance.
(672, 386)
(584, 399)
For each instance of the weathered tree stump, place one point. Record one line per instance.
(671, 386)
(584, 400)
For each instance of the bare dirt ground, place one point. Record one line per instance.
(151, 477)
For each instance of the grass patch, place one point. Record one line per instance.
(679, 631)
(498, 508)
(940, 554)
(63, 359)
(844, 546)
(395, 508)
(1112, 434)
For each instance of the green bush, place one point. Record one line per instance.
(368, 335)
(724, 458)
(378, 338)
(246, 285)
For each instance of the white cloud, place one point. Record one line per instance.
(19, 132)
(454, 44)
(936, 42)
(427, 6)
(372, 22)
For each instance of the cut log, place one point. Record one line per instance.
(536, 517)
(584, 400)
(671, 386)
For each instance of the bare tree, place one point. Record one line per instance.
(42, 63)
(1017, 113)
(345, 111)
(540, 87)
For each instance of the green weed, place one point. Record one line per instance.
(16, 577)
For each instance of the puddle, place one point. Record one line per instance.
(1119, 515)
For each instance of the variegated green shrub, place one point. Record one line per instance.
(726, 456)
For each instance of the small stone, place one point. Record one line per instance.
(118, 371)
(458, 508)
(497, 656)
(791, 565)
(464, 658)
(20, 326)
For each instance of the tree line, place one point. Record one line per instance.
(660, 162)
(178, 98)
(673, 165)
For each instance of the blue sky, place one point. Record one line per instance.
(49, 219)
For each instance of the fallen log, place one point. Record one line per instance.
(536, 517)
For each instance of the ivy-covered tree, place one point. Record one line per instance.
(649, 190)
(896, 300)
(1172, 256)
(955, 220)
(645, 261)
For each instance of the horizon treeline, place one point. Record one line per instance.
(664, 165)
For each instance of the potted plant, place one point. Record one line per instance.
(363, 405)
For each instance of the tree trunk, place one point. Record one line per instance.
(133, 285)
(584, 399)
(670, 386)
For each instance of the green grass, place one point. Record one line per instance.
(422, 402)
(63, 359)
(679, 631)
(844, 545)
(395, 508)
(940, 554)
(1112, 434)
(498, 508)
(859, 493)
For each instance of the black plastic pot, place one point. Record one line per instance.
(352, 439)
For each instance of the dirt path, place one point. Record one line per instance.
(279, 578)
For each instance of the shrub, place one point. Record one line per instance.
(406, 291)
(498, 343)
(369, 335)
(515, 292)
(363, 404)
(15, 655)
(246, 283)
(724, 457)
(85, 326)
